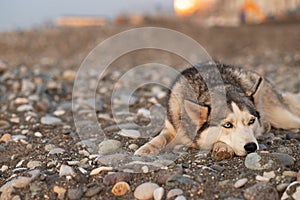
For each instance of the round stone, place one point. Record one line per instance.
(145, 191)
(109, 146)
(120, 188)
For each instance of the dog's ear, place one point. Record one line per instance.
(197, 113)
(255, 88)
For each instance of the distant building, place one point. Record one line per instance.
(233, 12)
(80, 21)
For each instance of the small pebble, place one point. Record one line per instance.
(158, 193)
(15, 120)
(33, 164)
(16, 197)
(2, 148)
(144, 112)
(69, 75)
(56, 151)
(49, 120)
(59, 112)
(120, 188)
(269, 175)
(93, 191)
(145, 190)
(298, 176)
(145, 169)
(262, 178)
(84, 153)
(289, 173)
(4, 124)
(20, 100)
(281, 187)
(240, 183)
(6, 137)
(66, 170)
(129, 133)
(25, 107)
(100, 169)
(109, 146)
(59, 190)
(74, 194)
(20, 163)
(73, 162)
(174, 192)
(49, 147)
(38, 134)
(4, 168)
(261, 190)
(181, 197)
(133, 147)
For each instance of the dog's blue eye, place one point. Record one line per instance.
(251, 121)
(227, 125)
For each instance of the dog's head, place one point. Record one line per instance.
(237, 128)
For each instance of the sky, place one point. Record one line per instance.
(24, 14)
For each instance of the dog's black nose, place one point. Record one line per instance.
(250, 147)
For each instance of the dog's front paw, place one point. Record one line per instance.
(222, 151)
(146, 149)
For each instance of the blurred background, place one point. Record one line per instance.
(53, 34)
(16, 14)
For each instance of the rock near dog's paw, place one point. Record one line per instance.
(146, 149)
(222, 151)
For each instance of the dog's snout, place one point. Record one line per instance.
(250, 147)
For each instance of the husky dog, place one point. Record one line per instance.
(223, 108)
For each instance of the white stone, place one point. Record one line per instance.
(4, 168)
(145, 169)
(25, 107)
(21, 100)
(59, 112)
(158, 193)
(174, 192)
(269, 175)
(38, 134)
(15, 120)
(180, 198)
(50, 120)
(144, 112)
(262, 178)
(33, 164)
(129, 133)
(145, 190)
(100, 169)
(240, 183)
